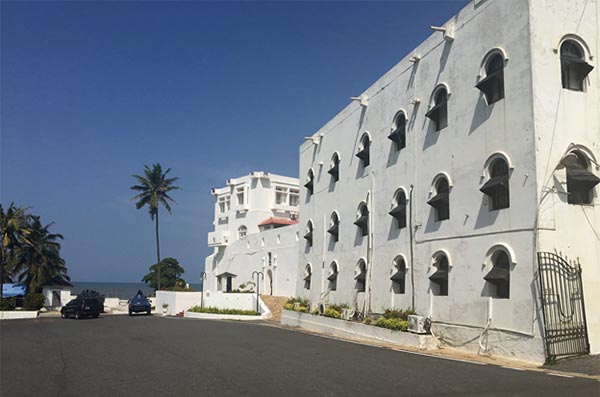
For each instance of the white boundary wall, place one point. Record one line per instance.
(177, 301)
(17, 315)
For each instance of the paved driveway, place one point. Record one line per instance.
(152, 356)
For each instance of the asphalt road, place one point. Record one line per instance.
(154, 356)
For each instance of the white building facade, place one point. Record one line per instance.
(446, 183)
(255, 231)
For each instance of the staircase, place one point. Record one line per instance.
(275, 305)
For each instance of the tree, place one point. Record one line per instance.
(39, 262)
(29, 253)
(154, 187)
(170, 275)
(14, 231)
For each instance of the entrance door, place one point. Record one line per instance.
(561, 294)
(55, 299)
(229, 284)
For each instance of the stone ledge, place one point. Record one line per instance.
(343, 328)
(17, 314)
(212, 316)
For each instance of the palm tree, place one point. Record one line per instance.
(14, 231)
(39, 262)
(154, 187)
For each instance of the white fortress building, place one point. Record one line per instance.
(464, 183)
(255, 231)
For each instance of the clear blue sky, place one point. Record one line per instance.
(92, 91)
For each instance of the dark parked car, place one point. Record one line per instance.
(81, 307)
(139, 304)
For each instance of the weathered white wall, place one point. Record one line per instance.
(223, 300)
(244, 256)
(564, 117)
(475, 132)
(177, 301)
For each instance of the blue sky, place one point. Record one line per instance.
(92, 91)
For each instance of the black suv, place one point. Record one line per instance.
(82, 307)
(139, 304)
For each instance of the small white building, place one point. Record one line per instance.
(464, 183)
(255, 231)
(57, 295)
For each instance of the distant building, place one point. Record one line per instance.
(464, 183)
(255, 230)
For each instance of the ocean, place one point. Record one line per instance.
(119, 290)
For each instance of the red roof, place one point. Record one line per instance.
(277, 221)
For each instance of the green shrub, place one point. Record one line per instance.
(315, 311)
(302, 309)
(216, 310)
(34, 301)
(395, 324)
(367, 320)
(396, 313)
(7, 304)
(332, 312)
(288, 306)
(178, 288)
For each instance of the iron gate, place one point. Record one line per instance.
(561, 293)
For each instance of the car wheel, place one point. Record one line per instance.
(148, 312)
(63, 315)
(96, 315)
(130, 313)
(77, 316)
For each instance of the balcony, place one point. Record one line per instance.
(218, 239)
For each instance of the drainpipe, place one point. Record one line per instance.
(322, 294)
(412, 255)
(371, 207)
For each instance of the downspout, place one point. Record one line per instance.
(412, 255)
(323, 260)
(370, 205)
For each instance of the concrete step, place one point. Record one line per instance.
(275, 305)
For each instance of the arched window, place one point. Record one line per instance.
(441, 199)
(580, 180)
(574, 68)
(310, 180)
(499, 276)
(492, 85)
(398, 134)
(308, 236)
(439, 112)
(360, 276)
(497, 187)
(332, 276)
(242, 231)
(439, 278)
(399, 209)
(334, 168)
(362, 219)
(334, 226)
(307, 276)
(399, 275)
(364, 149)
